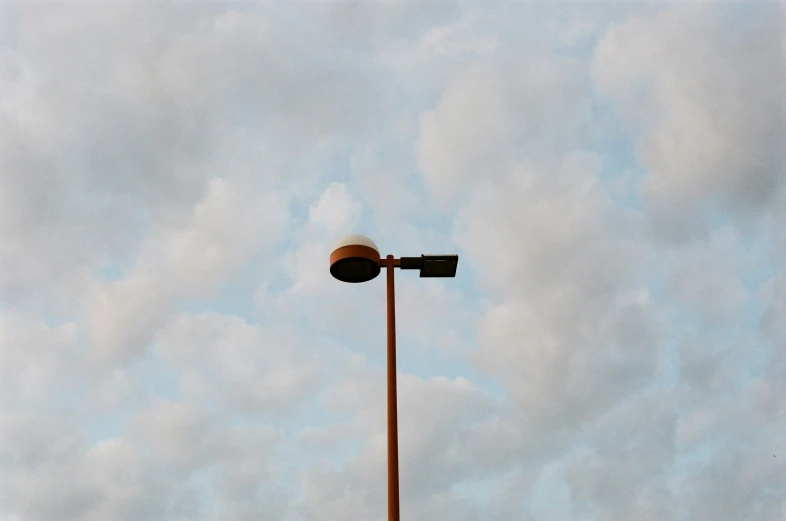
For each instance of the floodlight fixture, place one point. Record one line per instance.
(439, 266)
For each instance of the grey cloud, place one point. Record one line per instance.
(449, 433)
(620, 475)
(36, 360)
(380, 25)
(50, 472)
(239, 365)
(700, 86)
(42, 453)
(707, 276)
(158, 139)
(774, 294)
(116, 117)
(748, 446)
(572, 328)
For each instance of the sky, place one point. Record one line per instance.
(173, 176)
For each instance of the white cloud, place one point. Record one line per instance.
(493, 111)
(228, 226)
(164, 170)
(336, 211)
(121, 316)
(225, 229)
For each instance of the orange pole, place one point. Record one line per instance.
(393, 511)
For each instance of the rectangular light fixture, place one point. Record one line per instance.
(439, 265)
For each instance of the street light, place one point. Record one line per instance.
(356, 258)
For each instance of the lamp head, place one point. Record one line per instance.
(355, 258)
(438, 266)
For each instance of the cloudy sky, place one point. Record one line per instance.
(172, 179)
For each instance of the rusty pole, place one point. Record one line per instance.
(393, 502)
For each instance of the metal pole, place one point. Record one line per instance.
(393, 511)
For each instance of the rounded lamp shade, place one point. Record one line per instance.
(355, 258)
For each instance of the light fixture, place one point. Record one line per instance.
(356, 259)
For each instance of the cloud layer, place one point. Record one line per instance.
(172, 178)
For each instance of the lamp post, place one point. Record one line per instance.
(356, 258)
